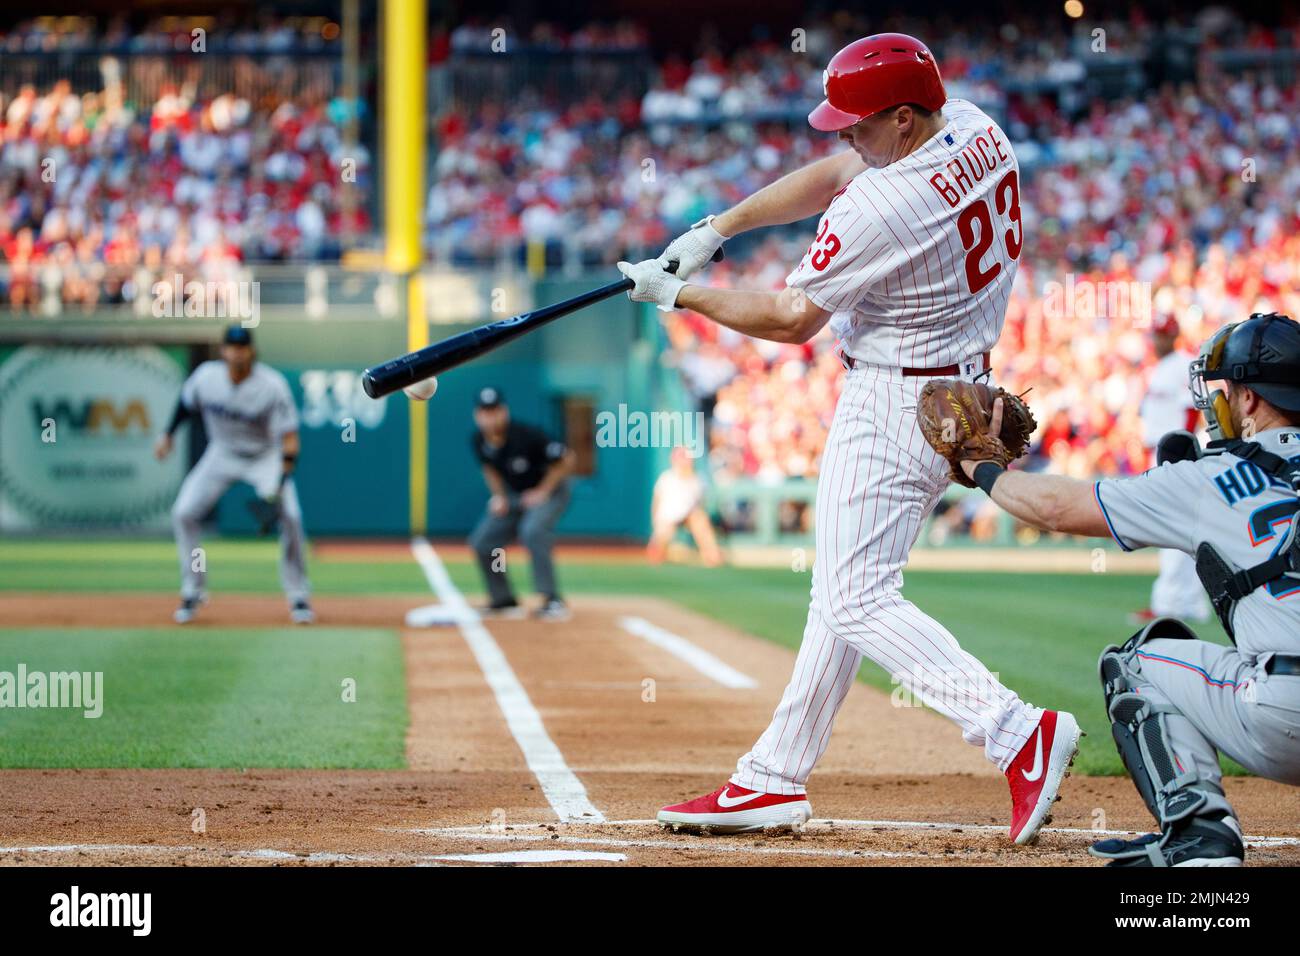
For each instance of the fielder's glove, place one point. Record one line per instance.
(652, 284)
(266, 512)
(693, 249)
(955, 419)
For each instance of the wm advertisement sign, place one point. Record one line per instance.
(76, 436)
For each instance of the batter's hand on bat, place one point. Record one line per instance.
(694, 249)
(652, 284)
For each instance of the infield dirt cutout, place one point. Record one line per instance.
(898, 784)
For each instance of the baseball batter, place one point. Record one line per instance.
(911, 266)
(1176, 702)
(252, 427)
(1168, 407)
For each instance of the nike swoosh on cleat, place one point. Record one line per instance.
(1037, 770)
(727, 801)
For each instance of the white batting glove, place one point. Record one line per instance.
(693, 249)
(652, 283)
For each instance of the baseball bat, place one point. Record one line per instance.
(435, 359)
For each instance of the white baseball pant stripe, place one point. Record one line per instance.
(879, 482)
(215, 471)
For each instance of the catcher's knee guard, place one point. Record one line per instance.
(1141, 733)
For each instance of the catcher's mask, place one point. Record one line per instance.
(1263, 352)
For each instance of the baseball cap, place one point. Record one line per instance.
(237, 335)
(489, 397)
(1165, 325)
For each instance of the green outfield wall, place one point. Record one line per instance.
(108, 382)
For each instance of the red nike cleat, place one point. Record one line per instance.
(1035, 775)
(734, 809)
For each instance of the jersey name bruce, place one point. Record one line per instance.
(978, 158)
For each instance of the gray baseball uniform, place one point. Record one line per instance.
(1230, 702)
(245, 424)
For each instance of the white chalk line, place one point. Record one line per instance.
(561, 787)
(697, 657)
(264, 853)
(823, 826)
(712, 844)
(538, 856)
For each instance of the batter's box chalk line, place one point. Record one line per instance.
(812, 827)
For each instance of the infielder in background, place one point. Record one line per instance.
(1168, 407)
(1175, 701)
(912, 266)
(527, 475)
(252, 428)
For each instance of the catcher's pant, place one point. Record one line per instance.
(1177, 591)
(1231, 704)
(879, 481)
(535, 528)
(216, 470)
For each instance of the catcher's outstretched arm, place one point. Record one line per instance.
(1048, 502)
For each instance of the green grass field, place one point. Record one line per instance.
(225, 701)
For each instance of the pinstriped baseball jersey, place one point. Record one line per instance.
(915, 261)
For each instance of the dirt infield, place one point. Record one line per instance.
(898, 783)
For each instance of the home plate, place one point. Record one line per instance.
(536, 856)
(436, 615)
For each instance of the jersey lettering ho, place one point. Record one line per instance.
(916, 261)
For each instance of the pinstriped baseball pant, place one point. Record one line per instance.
(879, 481)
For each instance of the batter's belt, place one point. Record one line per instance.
(848, 361)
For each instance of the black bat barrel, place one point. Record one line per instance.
(441, 356)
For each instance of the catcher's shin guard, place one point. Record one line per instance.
(1140, 727)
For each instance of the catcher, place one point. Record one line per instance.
(1175, 702)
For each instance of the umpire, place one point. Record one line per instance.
(527, 474)
(1176, 702)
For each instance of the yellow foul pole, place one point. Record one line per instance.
(404, 160)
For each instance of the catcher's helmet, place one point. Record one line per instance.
(873, 74)
(1263, 353)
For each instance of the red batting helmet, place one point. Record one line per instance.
(873, 74)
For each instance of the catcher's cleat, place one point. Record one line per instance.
(1035, 775)
(1199, 841)
(733, 809)
(301, 613)
(189, 607)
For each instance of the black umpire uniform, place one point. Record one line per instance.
(527, 473)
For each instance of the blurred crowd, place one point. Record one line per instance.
(100, 197)
(263, 32)
(1183, 194)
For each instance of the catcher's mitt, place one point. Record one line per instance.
(955, 417)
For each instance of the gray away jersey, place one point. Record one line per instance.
(246, 419)
(1232, 504)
